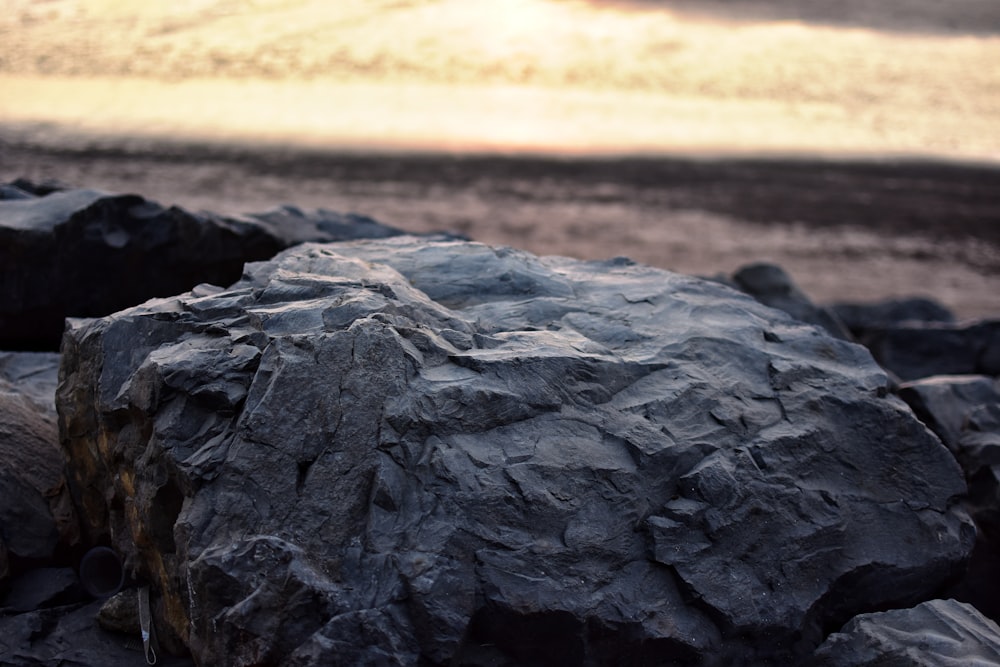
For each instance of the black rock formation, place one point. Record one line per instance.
(422, 452)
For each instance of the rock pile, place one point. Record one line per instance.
(442, 451)
(430, 451)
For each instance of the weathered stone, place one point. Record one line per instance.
(10, 192)
(437, 452)
(965, 413)
(34, 375)
(914, 351)
(860, 318)
(772, 286)
(120, 613)
(38, 524)
(947, 404)
(293, 225)
(86, 253)
(939, 633)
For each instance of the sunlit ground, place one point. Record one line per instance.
(507, 75)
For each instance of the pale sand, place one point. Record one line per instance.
(511, 75)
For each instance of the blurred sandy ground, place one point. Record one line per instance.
(843, 232)
(93, 88)
(514, 75)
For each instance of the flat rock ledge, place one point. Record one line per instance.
(413, 452)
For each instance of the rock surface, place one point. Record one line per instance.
(68, 636)
(919, 350)
(861, 318)
(772, 286)
(38, 524)
(965, 413)
(405, 451)
(86, 253)
(938, 633)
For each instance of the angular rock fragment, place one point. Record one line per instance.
(446, 453)
(939, 633)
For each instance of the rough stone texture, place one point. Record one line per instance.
(38, 524)
(410, 451)
(120, 613)
(772, 286)
(87, 253)
(939, 633)
(919, 350)
(965, 413)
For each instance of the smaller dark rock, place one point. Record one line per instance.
(85, 253)
(945, 403)
(38, 189)
(920, 350)
(964, 411)
(42, 588)
(936, 633)
(12, 192)
(120, 613)
(863, 317)
(293, 225)
(772, 286)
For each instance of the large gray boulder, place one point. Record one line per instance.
(445, 453)
(86, 253)
(938, 633)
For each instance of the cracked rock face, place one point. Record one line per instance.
(430, 451)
